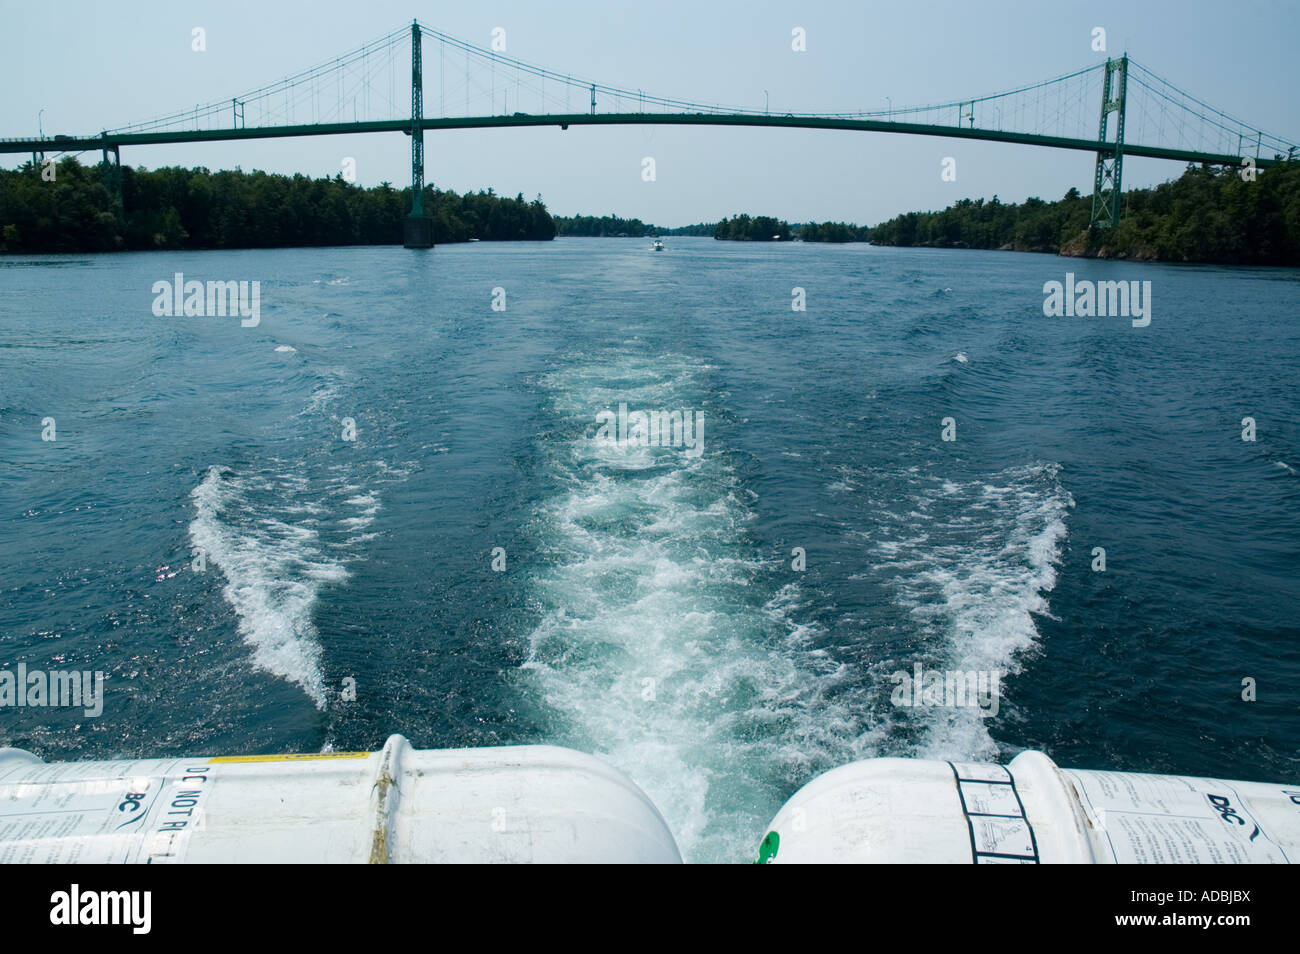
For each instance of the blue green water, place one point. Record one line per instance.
(648, 610)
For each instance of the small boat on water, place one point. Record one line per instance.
(658, 246)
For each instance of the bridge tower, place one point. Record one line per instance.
(1106, 194)
(418, 228)
(113, 179)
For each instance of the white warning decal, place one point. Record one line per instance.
(1001, 836)
(58, 815)
(1165, 819)
(999, 831)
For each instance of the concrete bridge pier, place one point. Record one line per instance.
(417, 231)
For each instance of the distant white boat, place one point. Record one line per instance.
(658, 246)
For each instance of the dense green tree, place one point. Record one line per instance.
(194, 208)
(1206, 215)
(832, 232)
(760, 228)
(605, 226)
(615, 227)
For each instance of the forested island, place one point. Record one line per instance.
(612, 226)
(759, 228)
(765, 228)
(835, 232)
(742, 228)
(1206, 215)
(604, 226)
(175, 208)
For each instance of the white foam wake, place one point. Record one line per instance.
(279, 539)
(974, 563)
(652, 643)
(268, 580)
(663, 650)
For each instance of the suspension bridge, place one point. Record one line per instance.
(1113, 109)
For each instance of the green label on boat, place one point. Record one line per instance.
(767, 850)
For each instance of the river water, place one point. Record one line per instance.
(482, 564)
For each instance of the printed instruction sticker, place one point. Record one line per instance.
(980, 772)
(1164, 819)
(1001, 836)
(989, 798)
(64, 814)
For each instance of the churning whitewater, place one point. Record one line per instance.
(653, 640)
(665, 648)
(278, 539)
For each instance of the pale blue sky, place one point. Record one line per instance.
(96, 65)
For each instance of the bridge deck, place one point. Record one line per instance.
(111, 140)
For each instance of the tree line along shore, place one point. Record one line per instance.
(173, 208)
(1205, 215)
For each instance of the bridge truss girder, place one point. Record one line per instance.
(1108, 178)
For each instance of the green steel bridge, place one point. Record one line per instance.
(1112, 108)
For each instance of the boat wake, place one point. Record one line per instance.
(667, 645)
(280, 538)
(972, 563)
(654, 644)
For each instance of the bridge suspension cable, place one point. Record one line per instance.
(370, 72)
(368, 90)
(1197, 125)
